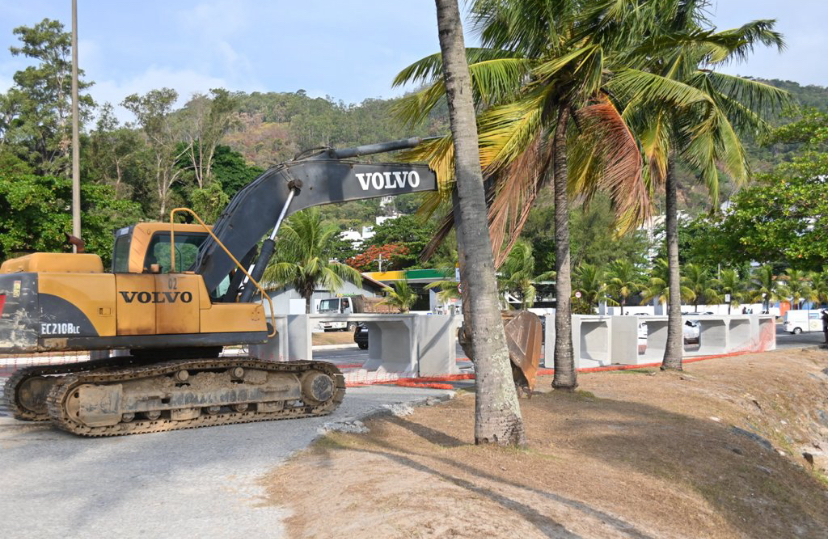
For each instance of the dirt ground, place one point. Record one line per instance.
(333, 337)
(631, 454)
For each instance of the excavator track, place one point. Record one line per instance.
(191, 394)
(26, 389)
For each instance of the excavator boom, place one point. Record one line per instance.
(316, 180)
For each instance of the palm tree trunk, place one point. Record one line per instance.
(675, 335)
(308, 299)
(497, 412)
(566, 377)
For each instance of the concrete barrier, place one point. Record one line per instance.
(591, 341)
(407, 344)
(763, 327)
(613, 340)
(276, 348)
(624, 343)
(656, 338)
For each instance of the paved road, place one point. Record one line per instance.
(195, 483)
(786, 340)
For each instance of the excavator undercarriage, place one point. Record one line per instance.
(125, 395)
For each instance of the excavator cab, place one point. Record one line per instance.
(143, 247)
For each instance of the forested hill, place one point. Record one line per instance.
(693, 196)
(810, 96)
(197, 154)
(274, 127)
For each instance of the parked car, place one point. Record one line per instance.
(361, 336)
(642, 330)
(691, 332)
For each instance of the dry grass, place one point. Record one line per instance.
(630, 455)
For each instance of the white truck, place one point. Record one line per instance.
(800, 321)
(349, 305)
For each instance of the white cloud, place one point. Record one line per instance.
(186, 82)
(219, 18)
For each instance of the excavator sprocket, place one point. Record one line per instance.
(26, 390)
(190, 394)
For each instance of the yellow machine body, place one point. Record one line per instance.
(63, 301)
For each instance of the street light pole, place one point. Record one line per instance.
(76, 218)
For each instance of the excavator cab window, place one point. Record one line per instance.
(120, 255)
(186, 249)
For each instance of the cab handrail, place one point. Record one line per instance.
(233, 258)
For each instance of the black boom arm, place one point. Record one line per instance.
(313, 181)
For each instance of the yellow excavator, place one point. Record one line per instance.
(177, 294)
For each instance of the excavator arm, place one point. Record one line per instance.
(322, 178)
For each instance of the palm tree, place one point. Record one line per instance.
(590, 283)
(797, 287)
(301, 257)
(401, 296)
(448, 288)
(497, 413)
(820, 285)
(539, 80)
(517, 274)
(701, 285)
(764, 286)
(623, 281)
(697, 120)
(657, 287)
(729, 282)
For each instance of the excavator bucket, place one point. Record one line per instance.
(524, 334)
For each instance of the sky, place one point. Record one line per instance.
(347, 49)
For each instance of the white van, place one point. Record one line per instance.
(800, 321)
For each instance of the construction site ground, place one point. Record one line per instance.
(191, 483)
(732, 447)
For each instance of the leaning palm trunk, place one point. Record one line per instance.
(675, 334)
(565, 374)
(497, 413)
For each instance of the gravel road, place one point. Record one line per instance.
(193, 483)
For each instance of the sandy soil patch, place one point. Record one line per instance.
(631, 454)
(333, 337)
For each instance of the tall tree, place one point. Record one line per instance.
(207, 120)
(497, 413)
(688, 111)
(302, 257)
(541, 80)
(153, 112)
(38, 107)
(113, 151)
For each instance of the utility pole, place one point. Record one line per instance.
(76, 218)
